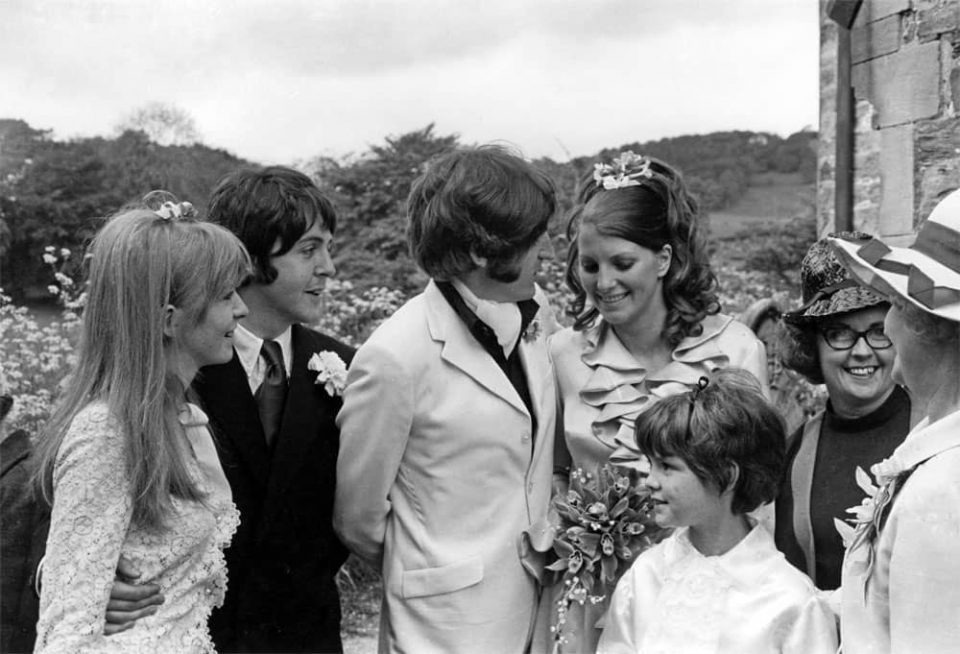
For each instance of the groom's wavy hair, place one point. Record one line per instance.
(261, 206)
(486, 200)
(726, 432)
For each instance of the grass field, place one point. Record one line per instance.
(773, 198)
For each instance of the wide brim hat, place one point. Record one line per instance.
(827, 288)
(926, 274)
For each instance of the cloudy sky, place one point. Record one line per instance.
(277, 81)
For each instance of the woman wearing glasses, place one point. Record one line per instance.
(836, 338)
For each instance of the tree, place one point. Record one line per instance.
(164, 124)
(371, 192)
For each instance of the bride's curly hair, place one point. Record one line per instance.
(656, 212)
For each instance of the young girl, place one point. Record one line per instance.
(128, 463)
(717, 584)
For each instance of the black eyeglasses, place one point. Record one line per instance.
(844, 338)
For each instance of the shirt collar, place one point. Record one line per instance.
(248, 346)
(926, 440)
(460, 301)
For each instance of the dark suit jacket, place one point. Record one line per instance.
(26, 520)
(281, 595)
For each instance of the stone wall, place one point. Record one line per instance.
(906, 79)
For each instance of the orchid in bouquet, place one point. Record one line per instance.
(605, 521)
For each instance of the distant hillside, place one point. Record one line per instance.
(52, 191)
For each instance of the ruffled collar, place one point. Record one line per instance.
(620, 387)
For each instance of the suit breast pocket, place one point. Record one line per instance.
(445, 579)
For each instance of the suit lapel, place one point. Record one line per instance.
(227, 400)
(304, 412)
(461, 349)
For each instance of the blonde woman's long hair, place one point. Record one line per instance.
(137, 265)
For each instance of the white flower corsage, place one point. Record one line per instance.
(533, 330)
(331, 371)
(623, 171)
(864, 527)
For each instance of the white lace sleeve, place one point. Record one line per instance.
(90, 518)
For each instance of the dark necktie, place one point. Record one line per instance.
(273, 391)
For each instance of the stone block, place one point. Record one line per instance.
(873, 10)
(937, 154)
(896, 172)
(875, 39)
(955, 88)
(903, 86)
(938, 19)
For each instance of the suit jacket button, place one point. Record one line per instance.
(525, 436)
(530, 487)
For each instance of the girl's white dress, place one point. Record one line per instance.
(90, 528)
(747, 601)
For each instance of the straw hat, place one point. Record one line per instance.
(927, 273)
(827, 289)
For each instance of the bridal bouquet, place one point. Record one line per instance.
(605, 521)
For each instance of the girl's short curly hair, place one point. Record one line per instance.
(727, 433)
(658, 211)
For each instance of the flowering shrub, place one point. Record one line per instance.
(351, 316)
(37, 359)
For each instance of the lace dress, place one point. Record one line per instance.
(90, 529)
(747, 601)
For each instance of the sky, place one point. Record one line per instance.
(283, 81)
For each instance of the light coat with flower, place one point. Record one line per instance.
(900, 591)
(439, 474)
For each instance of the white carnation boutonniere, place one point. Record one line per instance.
(533, 331)
(331, 371)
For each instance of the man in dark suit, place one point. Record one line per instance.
(274, 424)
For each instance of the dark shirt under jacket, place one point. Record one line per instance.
(512, 366)
(844, 444)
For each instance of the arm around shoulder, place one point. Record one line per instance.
(375, 422)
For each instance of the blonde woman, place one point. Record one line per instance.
(127, 461)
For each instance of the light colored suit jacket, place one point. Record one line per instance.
(438, 476)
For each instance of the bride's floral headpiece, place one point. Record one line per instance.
(623, 171)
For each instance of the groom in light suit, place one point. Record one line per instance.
(449, 414)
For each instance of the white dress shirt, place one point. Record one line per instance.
(248, 346)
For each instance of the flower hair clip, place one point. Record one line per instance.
(175, 210)
(623, 171)
(166, 205)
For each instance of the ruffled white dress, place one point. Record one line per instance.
(90, 528)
